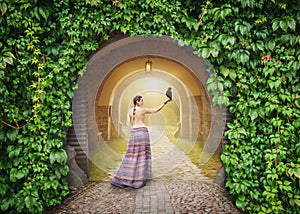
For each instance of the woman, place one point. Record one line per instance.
(136, 168)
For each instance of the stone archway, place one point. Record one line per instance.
(136, 49)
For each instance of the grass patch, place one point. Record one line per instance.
(193, 150)
(118, 145)
(210, 168)
(96, 174)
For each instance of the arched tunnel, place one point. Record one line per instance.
(118, 72)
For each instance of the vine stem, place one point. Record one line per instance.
(17, 126)
(204, 11)
(36, 105)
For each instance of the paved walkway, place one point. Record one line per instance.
(178, 187)
(167, 197)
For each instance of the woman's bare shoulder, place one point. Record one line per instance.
(130, 111)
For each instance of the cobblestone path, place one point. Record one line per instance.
(178, 186)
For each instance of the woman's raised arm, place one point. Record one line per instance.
(154, 110)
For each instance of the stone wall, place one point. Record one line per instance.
(103, 121)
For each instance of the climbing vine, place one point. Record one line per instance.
(256, 60)
(252, 45)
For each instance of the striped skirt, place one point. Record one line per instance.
(136, 166)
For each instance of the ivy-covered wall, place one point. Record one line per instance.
(252, 45)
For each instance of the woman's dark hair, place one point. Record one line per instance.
(135, 100)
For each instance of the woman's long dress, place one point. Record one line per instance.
(136, 167)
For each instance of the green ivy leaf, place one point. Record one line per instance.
(240, 203)
(2, 65)
(283, 24)
(59, 156)
(275, 25)
(125, 29)
(253, 114)
(44, 13)
(6, 203)
(16, 174)
(289, 38)
(231, 40)
(62, 171)
(244, 57)
(29, 202)
(297, 172)
(232, 74)
(271, 44)
(36, 13)
(292, 23)
(297, 102)
(15, 152)
(275, 84)
(205, 53)
(260, 45)
(224, 70)
(12, 134)
(3, 8)
(2, 136)
(214, 52)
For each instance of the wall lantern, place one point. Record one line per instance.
(148, 65)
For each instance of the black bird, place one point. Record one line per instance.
(169, 93)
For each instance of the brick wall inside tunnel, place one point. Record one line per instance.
(103, 121)
(204, 119)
